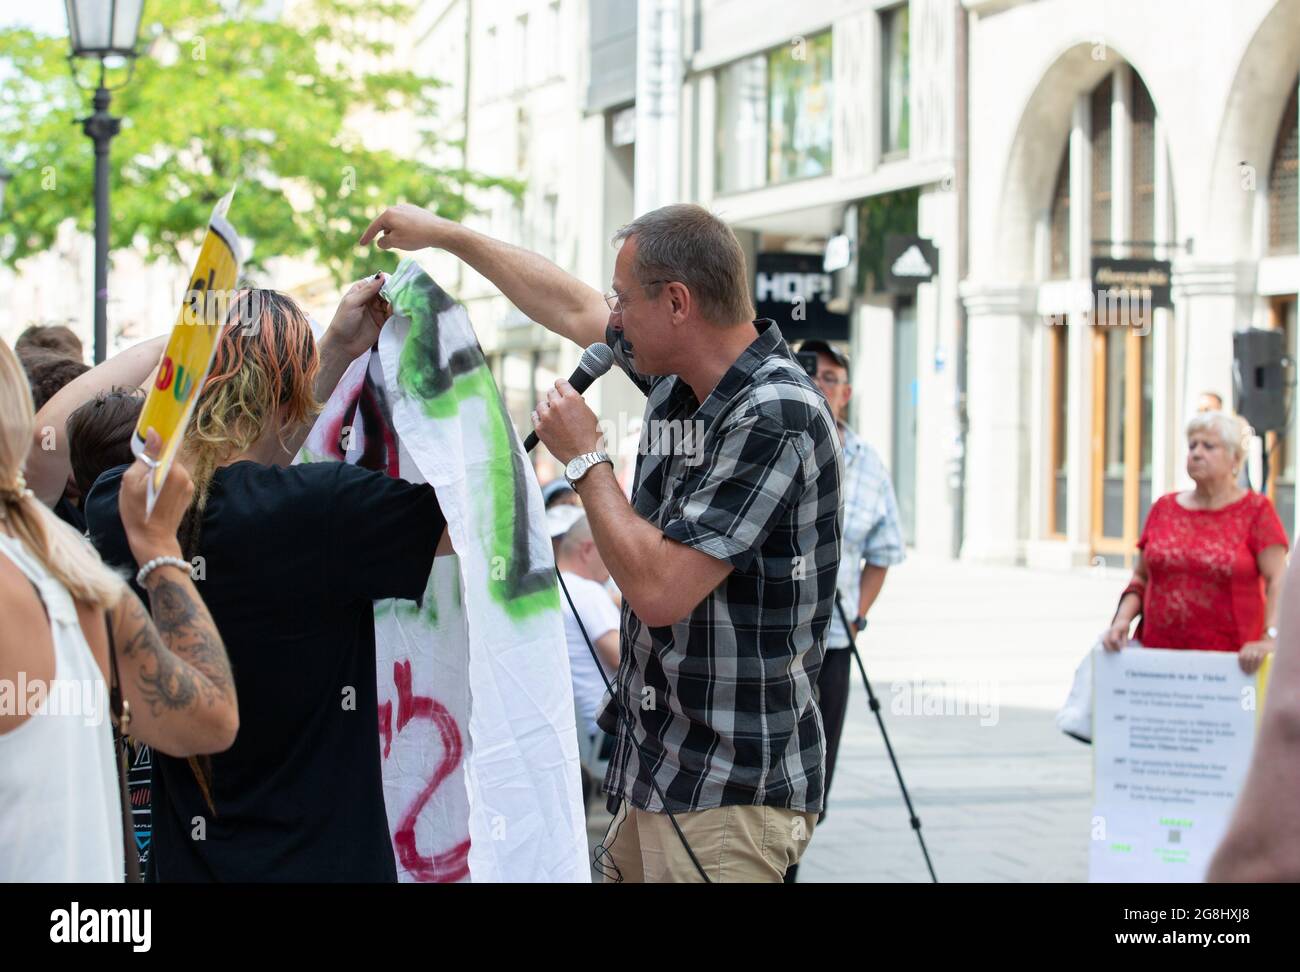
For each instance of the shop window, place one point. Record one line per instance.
(1283, 216)
(894, 103)
(1101, 167)
(775, 117)
(1121, 461)
(1060, 228)
(1281, 480)
(799, 116)
(1058, 482)
(1142, 202)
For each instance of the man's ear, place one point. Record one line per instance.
(679, 298)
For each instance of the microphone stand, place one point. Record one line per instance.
(874, 704)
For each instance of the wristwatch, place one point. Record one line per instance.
(860, 622)
(1271, 632)
(578, 466)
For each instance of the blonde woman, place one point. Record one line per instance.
(1211, 559)
(69, 622)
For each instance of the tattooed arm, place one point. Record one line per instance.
(175, 672)
(174, 669)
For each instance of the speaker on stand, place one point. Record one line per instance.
(1259, 385)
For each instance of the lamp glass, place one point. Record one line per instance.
(99, 28)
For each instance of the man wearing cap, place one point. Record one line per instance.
(585, 576)
(872, 543)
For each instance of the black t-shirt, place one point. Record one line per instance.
(67, 511)
(292, 559)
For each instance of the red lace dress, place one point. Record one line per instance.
(1204, 589)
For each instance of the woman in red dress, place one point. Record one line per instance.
(1211, 559)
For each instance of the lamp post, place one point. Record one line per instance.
(5, 176)
(104, 30)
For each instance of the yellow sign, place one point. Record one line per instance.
(192, 344)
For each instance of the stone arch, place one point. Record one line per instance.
(1042, 134)
(1247, 131)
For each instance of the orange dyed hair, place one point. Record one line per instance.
(266, 358)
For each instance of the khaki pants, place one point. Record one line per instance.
(732, 844)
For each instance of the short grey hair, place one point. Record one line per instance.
(577, 534)
(1230, 429)
(687, 244)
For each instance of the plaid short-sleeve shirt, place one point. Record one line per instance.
(722, 701)
(872, 534)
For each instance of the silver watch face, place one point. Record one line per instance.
(575, 468)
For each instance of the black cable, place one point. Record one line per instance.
(874, 704)
(631, 735)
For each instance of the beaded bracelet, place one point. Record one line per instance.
(148, 568)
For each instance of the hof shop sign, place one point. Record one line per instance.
(793, 290)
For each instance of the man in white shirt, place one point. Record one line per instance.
(585, 576)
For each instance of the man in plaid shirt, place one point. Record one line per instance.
(726, 556)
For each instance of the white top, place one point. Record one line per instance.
(599, 616)
(60, 802)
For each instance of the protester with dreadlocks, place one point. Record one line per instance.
(291, 557)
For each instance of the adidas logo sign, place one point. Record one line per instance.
(912, 263)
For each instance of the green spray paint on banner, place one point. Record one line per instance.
(441, 392)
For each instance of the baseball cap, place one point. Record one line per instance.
(560, 520)
(554, 488)
(823, 347)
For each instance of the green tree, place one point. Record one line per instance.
(221, 94)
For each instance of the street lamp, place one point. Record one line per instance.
(102, 29)
(5, 176)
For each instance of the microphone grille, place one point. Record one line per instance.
(597, 359)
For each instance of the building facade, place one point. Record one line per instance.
(1018, 141)
(806, 122)
(1164, 129)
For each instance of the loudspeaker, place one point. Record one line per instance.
(1259, 378)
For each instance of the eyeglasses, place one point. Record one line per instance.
(615, 300)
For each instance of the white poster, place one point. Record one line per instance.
(1172, 738)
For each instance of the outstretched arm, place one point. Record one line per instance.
(49, 462)
(555, 299)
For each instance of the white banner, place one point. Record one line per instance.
(476, 714)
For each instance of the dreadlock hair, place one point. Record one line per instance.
(266, 359)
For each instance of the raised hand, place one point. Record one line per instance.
(407, 227)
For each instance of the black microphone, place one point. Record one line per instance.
(595, 361)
